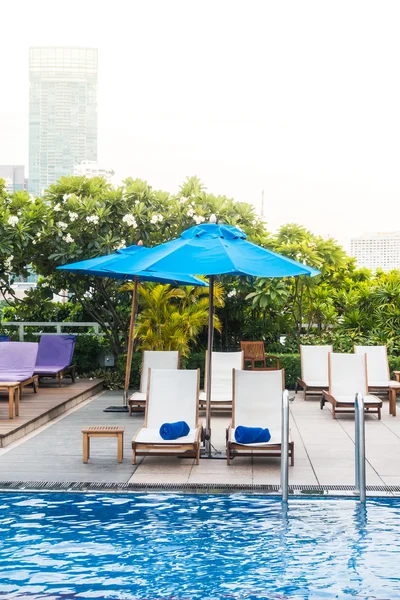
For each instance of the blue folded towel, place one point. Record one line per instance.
(251, 435)
(172, 431)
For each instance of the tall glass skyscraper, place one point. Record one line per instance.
(62, 112)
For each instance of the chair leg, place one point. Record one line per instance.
(228, 453)
(133, 455)
(379, 413)
(198, 454)
(291, 446)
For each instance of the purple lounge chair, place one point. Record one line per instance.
(55, 356)
(17, 363)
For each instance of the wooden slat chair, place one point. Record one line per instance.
(152, 359)
(257, 402)
(254, 352)
(172, 396)
(314, 369)
(221, 380)
(379, 381)
(347, 375)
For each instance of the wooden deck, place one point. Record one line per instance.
(38, 409)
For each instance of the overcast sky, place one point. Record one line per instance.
(299, 98)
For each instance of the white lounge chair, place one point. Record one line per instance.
(172, 396)
(152, 359)
(347, 376)
(314, 369)
(257, 402)
(379, 373)
(221, 380)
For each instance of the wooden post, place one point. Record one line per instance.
(130, 342)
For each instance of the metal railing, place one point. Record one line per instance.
(360, 447)
(57, 325)
(285, 447)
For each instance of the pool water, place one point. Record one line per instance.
(209, 547)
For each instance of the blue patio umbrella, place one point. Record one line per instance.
(97, 267)
(214, 249)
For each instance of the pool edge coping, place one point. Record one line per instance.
(297, 490)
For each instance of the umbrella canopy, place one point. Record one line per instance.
(97, 267)
(214, 249)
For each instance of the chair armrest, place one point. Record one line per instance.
(396, 375)
(276, 359)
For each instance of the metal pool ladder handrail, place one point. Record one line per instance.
(285, 447)
(360, 446)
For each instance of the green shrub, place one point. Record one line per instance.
(394, 365)
(86, 354)
(291, 364)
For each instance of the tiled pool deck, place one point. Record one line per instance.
(324, 451)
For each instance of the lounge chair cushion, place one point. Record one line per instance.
(55, 353)
(152, 436)
(216, 397)
(17, 360)
(316, 384)
(138, 396)
(350, 400)
(383, 384)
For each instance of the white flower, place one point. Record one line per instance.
(137, 201)
(72, 216)
(62, 225)
(198, 219)
(34, 242)
(38, 235)
(67, 197)
(122, 244)
(156, 218)
(183, 199)
(190, 212)
(45, 284)
(68, 238)
(92, 219)
(231, 294)
(129, 220)
(31, 197)
(57, 208)
(254, 222)
(12, 221)
(8, 261)
(19, 213)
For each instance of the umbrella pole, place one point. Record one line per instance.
(209, 362)
(130, 342)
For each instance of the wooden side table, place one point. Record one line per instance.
(103, 431)
(14, 392)
(394, 389)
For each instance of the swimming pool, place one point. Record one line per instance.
(176, 546)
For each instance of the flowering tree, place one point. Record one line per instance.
(88, 217)
(22, 220)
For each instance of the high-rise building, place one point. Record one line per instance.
(62, 112)
(14, 176)
(377, 250)
(91, 168)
